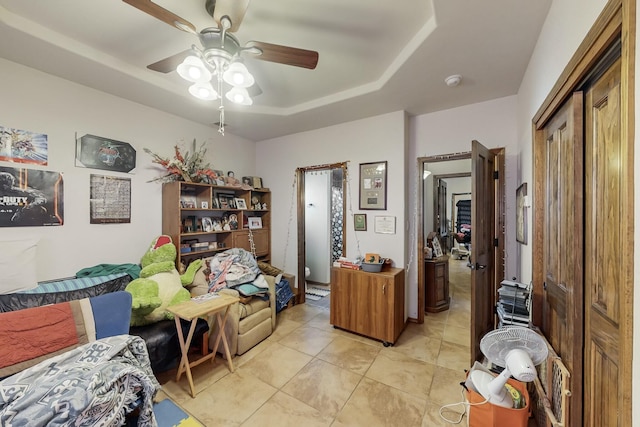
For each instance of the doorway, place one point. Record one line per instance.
(321, 231)
(440, 214)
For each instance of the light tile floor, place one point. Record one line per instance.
(309, 374)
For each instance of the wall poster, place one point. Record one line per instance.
(110, 201)
(23, 146)
(102, 153)
(30, 197)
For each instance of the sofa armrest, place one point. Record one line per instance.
(271, 281)
(291, 278)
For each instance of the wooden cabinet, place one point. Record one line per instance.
(242, 239)
(203, 219)
(370, 304)
(436, 282)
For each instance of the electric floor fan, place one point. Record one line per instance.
(516, 349)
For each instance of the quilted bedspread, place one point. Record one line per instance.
(95, 384)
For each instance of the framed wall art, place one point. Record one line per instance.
(360, 222)
(521, 214)
(373, 185)
(101, 153)
(385, 224)
(110, 200)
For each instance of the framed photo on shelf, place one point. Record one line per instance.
(255, 222)
(373, 185)
(360, 222)
(204, 205)
(207, 224)
(437, 249)
(240, 203)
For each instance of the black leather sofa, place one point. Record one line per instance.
(161, 337)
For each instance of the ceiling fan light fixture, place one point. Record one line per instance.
(203, 91)
(239, 95)
(193, 70)
(237, 75)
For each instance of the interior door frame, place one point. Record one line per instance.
(498, 220)
(302, 243)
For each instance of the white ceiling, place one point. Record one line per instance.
(375, 56)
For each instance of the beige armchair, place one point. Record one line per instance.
(248, 322)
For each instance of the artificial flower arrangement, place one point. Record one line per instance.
(190, 167)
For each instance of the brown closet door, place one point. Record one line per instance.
(562, 305)
(606, 239)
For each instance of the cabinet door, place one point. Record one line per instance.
(342, 314)
(260, 240)
(381, 297)
(440, 273)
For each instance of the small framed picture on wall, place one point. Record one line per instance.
(360, 222)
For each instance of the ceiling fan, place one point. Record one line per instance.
(221, 52)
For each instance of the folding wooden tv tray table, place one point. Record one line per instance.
(192, 310)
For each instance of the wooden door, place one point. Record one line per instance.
(563, 241)
(483, 190)
(606, 240)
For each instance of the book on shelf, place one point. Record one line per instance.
(514, 284)
(504, 315)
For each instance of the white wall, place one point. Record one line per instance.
(493, 124)
(566, 25)
(38, 102)
(369, 140)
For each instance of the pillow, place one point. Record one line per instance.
(268, 269)
(18, 265)
(248, 289)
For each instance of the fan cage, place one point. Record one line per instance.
(496, 344)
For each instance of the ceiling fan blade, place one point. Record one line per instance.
(234, 9)
(171, 63)
(158, 12)
(286, 55)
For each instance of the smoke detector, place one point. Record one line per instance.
(454, 80)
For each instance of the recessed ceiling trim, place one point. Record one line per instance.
(421, 36)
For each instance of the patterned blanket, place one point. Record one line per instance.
(232, 267)
(96, 384)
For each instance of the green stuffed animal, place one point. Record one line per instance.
(160, 285)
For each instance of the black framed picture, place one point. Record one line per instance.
(373, 186)
(102, 153)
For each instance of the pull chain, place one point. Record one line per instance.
(286, 244)
(252, 244)
(350, 193)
